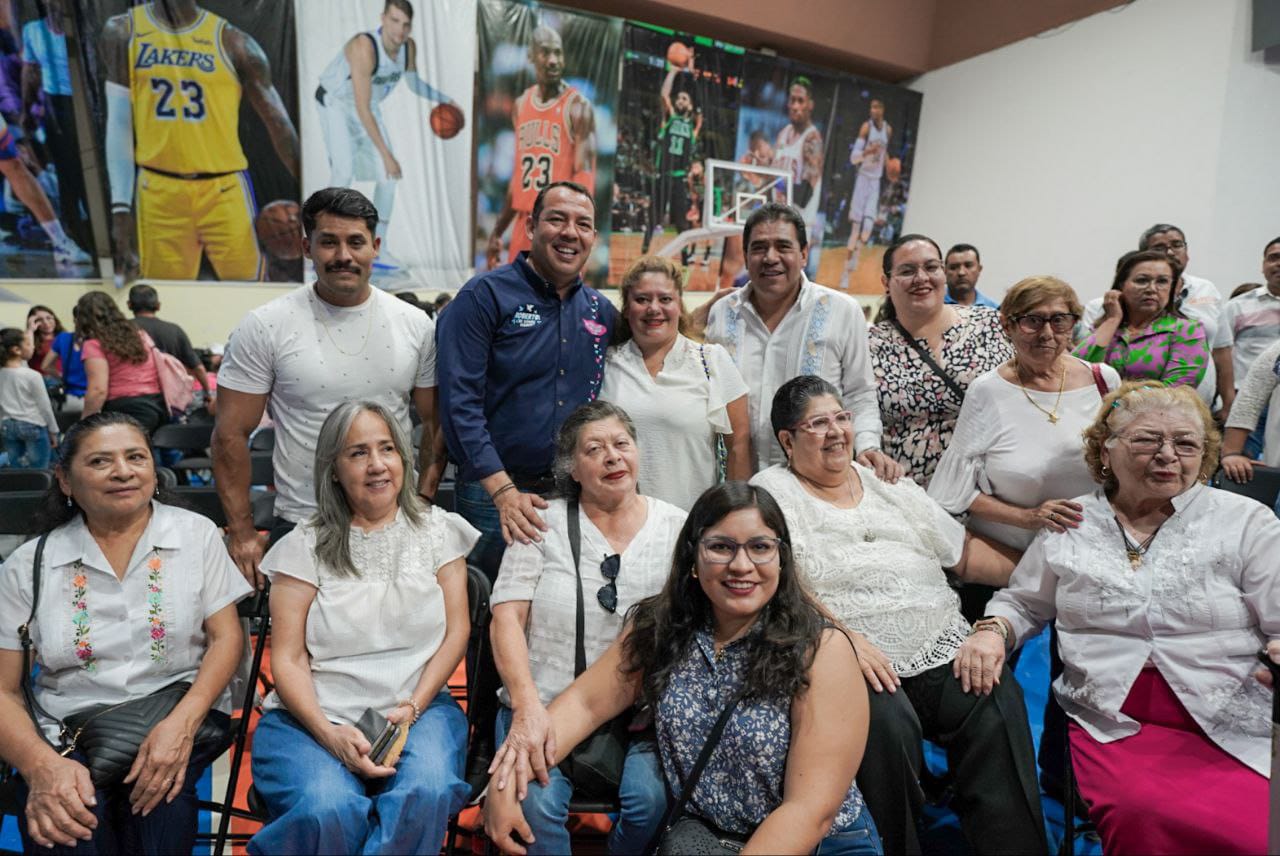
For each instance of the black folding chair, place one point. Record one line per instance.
(261, 473)
(17, 508)
(202, 500)
(478, 591)
(1264, 487)
(192, 439)
(15, 478)
(263, 440)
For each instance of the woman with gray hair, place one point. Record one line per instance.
(1163, 595)
(369, 619)
(606, 548)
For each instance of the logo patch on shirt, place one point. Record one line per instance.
(595, 328)
(526, 316)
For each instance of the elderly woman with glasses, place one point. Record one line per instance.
(877, 556)
(1163, 597)
(1142, 334)
(606, 548)
(925, 353)
(1016, 458)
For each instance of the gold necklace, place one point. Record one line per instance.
(1062, 384)
(367, 333)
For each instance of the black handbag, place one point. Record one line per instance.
(678, 834)
(595, 766)
(109, 735)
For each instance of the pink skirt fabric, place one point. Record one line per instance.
(1168, 789)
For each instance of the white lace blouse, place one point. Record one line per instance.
(1204, 601)
(370, 636)
(878, 566)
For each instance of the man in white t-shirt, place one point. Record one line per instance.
(1197, 298)
(781, 325)
(304, 353)
(1251, 322)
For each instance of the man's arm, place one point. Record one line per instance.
(813, 159)
(493, 247)
(1223, 363)
(119, 145)
(254, 71)
(238, 415)
(430, 468)
(416, 84)
(665, 93)
(582, 122)
(859, 145)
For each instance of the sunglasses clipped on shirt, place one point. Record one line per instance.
(607, 596)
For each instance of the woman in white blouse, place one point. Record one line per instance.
(877, 556)
(1163, 596)
(681, 394)
(368, 611)
(1016, 458)
(135, 595)
(626, 544)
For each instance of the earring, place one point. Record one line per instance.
(1106, 470)
(157, 490)
(694, 573)
(70, 504)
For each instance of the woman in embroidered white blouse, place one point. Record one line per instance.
(368, 611)
(1163, 596)
(135, 594)
(680, 394)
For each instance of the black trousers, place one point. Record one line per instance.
(989, 752)
(150, 410)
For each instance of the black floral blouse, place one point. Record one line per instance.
(917, 408)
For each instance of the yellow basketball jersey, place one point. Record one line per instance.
(186, 96)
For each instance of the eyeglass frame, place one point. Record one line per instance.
(1041, 320)
(778, 546)
(807, 425)
(910, 272)
(1165, 439)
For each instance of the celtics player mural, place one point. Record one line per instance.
(677, 141)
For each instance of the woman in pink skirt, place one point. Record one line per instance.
(1163, 596)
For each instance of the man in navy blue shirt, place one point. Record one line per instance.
(520, 348)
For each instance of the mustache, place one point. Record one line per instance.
(335, 268)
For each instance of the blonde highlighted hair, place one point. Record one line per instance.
(631, 279)
(1130, 401)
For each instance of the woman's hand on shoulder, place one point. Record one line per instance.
(1056, 515)
(979, 662)
(60, 802)
(348, 745)
(887, 469)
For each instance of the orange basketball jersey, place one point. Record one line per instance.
(544, 146)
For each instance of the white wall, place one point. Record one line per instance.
(1053, 154)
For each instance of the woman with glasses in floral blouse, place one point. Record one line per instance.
(625, 545)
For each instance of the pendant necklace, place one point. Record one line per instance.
(1062, 384)
(1134, 551)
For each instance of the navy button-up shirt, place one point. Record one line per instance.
(512, 362)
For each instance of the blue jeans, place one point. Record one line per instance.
(642, 798)
(26, 444)
(473, 504)
(860, 839)
(319, 806)
(169, 828)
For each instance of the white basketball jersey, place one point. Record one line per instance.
(872, 165)
(336, 78)
(788, 153)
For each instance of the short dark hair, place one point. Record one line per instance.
(1145, 240)
(144, 298)
(771, 212)
(876, 99)
(792, 400)
(340, 202)
(403, 5)
(10, 338)
(1133, 258)
(964, 248)
(540, 199)
(1269, 245)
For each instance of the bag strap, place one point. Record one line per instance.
(575, 544)
(1099, 381)
(24, 636)
(928, 359)
(702, 352)
(686, 791)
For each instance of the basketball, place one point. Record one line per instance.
(679, 54)
(447, 120)
(279, 228)
(893, 169)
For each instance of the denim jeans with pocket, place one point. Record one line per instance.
(26, 444)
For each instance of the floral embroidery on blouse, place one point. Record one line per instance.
(155, 606)
(1171, 350)
(80, 618)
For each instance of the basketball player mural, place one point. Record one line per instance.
(555, 141)
(798, 148)
(352, 89)
(179, 185)
(677, 139)
(869, 153)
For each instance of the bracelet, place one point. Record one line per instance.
(500, 491)
(994, 625)
(417, 711)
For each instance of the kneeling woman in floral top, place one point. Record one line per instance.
(732, 626)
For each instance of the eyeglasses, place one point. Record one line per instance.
(909, 272)
(607, 596)
(822, 424)
(1164, 248)
(1184, 445)
(1059, 322)
(1160, 283)
(722, 551)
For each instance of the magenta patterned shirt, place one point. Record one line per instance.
(1171, 349)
